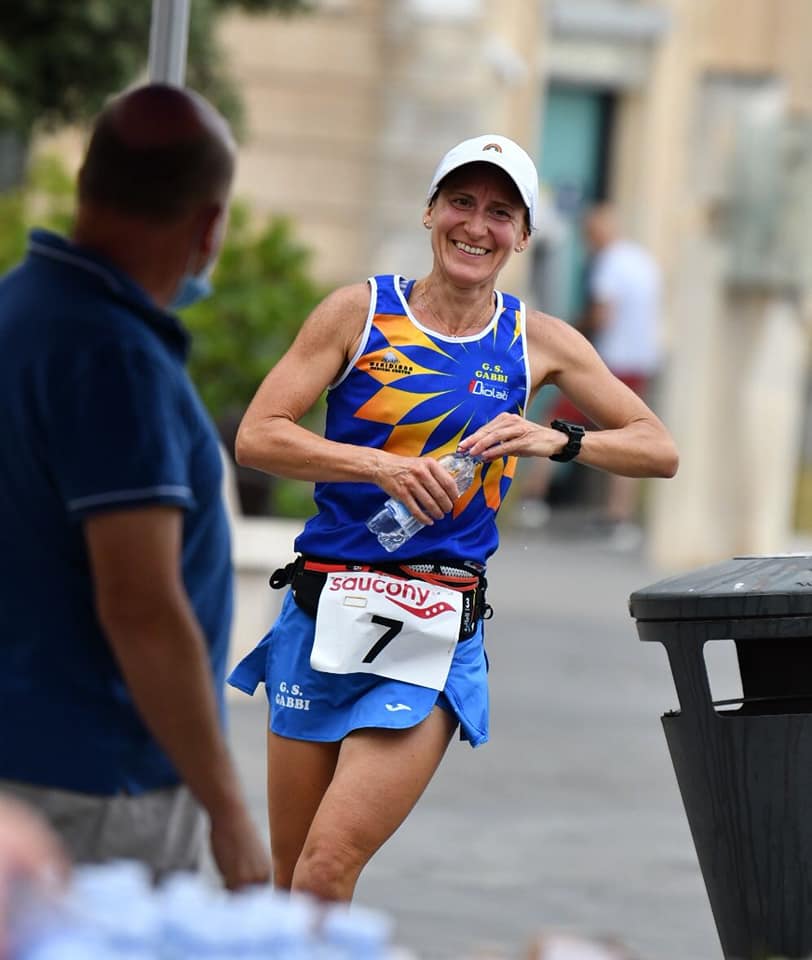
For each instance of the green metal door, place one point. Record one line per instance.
(573, 173)
(574, 158)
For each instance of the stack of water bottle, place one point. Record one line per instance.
(112, 912)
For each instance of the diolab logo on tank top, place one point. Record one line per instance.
(489, 381)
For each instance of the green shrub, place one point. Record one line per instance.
(262, 293)
(263, 290)
(45, 199)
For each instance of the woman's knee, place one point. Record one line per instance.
(329, 868)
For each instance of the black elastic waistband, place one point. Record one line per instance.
(307, 574)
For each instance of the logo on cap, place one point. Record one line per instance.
(492, 146)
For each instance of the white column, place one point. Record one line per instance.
(771, 418)
(168, 38)
(686, 515)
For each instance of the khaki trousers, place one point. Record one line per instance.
(163, 829)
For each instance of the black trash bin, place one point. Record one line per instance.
(744, 767)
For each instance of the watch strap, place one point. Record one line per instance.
(575, 433)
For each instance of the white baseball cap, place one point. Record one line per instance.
(502, 153)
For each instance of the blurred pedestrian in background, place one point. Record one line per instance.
(622, 320)
(116, 574)
(378, 657)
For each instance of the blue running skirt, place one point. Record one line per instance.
(306, 704)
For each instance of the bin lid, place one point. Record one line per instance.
(748, 586)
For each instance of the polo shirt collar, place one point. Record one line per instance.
(98, 269)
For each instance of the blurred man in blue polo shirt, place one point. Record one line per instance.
(115, 577)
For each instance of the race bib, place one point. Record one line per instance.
(372, 623)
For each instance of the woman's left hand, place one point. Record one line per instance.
(510, 435)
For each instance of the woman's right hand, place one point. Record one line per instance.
(422, 485)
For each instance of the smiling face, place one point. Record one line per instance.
(478, 219)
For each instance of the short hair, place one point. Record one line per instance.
(159, 157)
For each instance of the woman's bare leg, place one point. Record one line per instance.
(299, 773)
(378, 779)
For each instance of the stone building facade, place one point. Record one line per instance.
(695, 119)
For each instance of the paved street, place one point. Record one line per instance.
(570, 816)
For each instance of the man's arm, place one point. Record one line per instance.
(143, 607)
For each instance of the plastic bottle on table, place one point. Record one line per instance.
(107, 913)
(253, 924)
(393, 525)
(350, 932)
(69, 944)
(115, 902)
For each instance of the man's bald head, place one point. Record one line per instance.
(157, 152)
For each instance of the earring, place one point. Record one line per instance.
(427, 223)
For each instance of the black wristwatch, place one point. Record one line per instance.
(575, 433)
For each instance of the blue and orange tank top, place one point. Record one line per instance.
(417, 393)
